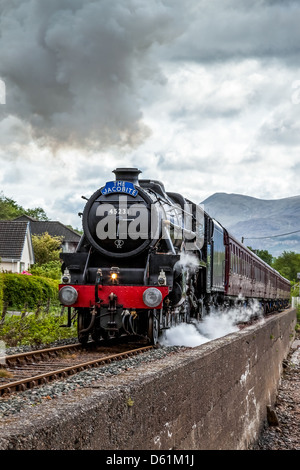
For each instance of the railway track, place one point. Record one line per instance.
(31, 369)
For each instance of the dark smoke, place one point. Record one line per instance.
(76, 70)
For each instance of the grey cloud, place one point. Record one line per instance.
(200, 163)
(281, 128)
(251, 158)
(207, 111)
(232, 30)
(70, 205)
(12, 175)
(81, 72)
(75, 70)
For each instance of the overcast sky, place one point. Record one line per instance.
(202, 94)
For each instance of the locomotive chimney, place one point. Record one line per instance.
(127, 174)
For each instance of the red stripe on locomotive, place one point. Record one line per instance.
(127, 296)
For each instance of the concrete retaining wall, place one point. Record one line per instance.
(210, 397)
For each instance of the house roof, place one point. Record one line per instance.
(12, 238)
(55, 229)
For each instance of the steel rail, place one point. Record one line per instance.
(10, 359)
(31, 382)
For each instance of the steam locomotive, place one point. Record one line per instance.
(150, 259)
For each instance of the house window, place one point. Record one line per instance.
(22, 267)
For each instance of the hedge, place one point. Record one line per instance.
(1, 290)
(21, 289)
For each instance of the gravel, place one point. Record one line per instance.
(26, 348)
(17, 402)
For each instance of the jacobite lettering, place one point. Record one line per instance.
(119, 187)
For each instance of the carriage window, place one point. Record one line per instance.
(241, 262)
(234, 260)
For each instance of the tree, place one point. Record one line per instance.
(37, 213)
(46, 248)
(264, 255)
(9, 209)
(288, 264)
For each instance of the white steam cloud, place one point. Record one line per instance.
(188, 260)
(217, 324)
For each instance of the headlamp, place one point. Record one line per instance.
(68, 295)
(152, 297)
(66, 278)
(114, 272)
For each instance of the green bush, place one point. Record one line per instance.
(1, 291)
(34, 331)
(21, 289)
(50, 270)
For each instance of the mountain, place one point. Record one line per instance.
(245, 216)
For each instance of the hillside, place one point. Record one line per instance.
(247, 217)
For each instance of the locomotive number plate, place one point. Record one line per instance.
(120, 211)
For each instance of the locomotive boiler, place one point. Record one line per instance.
(150, 259)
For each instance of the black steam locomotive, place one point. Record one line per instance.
(150, 259)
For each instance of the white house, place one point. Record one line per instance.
(16, 251)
